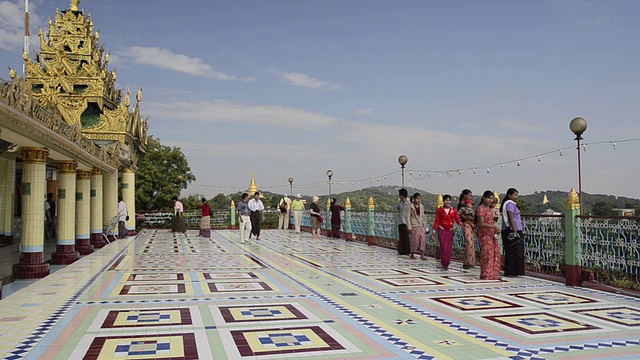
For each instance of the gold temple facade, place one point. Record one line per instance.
(66, 130)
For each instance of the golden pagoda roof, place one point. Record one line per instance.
(252, 188)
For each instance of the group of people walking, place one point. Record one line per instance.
(481, 222)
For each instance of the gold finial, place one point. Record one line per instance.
(233, 204)
(495, 194)
(440, 202)
(139, 95)
(371, 203)
(347, 203)
(74, 5)
(573, 201)
(252, 188)
(328, 201)
(12, 74)
(127, 99)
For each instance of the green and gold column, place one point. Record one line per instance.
(97, 240)
(572, 245)
(129, 196)
(31, 264)
(83, 211)
(371, 235)
(8, 172)
(66, 229)
(109, 201)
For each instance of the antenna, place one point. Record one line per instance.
(26, 35)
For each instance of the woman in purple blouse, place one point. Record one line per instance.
(512, 238)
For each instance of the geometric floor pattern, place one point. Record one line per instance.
(287, 296)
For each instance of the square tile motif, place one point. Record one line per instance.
(472, 280)
(409, 281)
(160, 347)
(236, 314)
(238, 286)
(380, 272)
(539, 323)
(156, 277)
(551, 298)
(219, 276)
(144, 318)
(435, 270)
(621, 315)
(475, 302)
(283, 341)
(153, 289)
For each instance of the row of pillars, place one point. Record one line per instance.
(86, 203)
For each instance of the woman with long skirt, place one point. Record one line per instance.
(417, 224)
(445, 218)
(336, 221)
(512, 237)
(487, 233)
(468, 217)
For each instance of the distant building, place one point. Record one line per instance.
(551, 212)
(624, 212)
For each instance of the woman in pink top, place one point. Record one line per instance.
(445, 217)
(489, 244)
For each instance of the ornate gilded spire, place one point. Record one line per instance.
(74, 5)
(440, 202)
(495, 194)
(371, 203)
(573, 201)
(252, 188)
(347, 203)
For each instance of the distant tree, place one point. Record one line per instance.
(524, 206)
(192, 202)
(602, 208)
(162, 173)
(220, 202)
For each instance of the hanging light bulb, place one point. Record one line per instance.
(474, 171)
(487, 170)
(429, 174)
(614, 145)
(419, 173)
(584, 147)
(460, 172)
(560, 152)
(439, 173)
(449, 173)
(518, 162)
(502, 167)
(539, 158)
(385, 177)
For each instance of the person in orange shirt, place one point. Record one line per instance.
(445, 217)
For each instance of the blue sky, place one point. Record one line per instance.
(293, 88)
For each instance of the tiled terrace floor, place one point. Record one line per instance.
(287, 296)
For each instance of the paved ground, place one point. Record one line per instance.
(166, 296)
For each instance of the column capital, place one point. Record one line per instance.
(66, 167)
(96, 172)
(82, 174)
(35, 155)
(127, 170)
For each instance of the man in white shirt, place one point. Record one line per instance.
(123, 216)
(284, 209)
(256, 207)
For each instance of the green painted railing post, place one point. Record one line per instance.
(572, 247)
(371, 236)
(348, 234)
(233, 216)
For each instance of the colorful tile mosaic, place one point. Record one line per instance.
(553, 298)
(475, 302)
(539, 323)
(621, 315)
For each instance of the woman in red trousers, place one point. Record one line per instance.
(445, 217)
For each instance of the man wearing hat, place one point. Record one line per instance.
(298, 208)
(284, 208)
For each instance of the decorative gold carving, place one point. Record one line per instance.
(573, 201)
(372, 205)
(83, 174)
(440, 202)
(347, 203)
(35, 155)
(65, 167)
(74, 5)
(497, 197)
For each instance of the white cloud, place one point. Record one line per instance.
(167, 59)
(12, 24)
(365, 112)
(224, 111)
(513, 124)
(305, 80)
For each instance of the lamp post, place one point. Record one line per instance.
(291, 186)
(329, 175)
(402, 160)
(578, 126)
